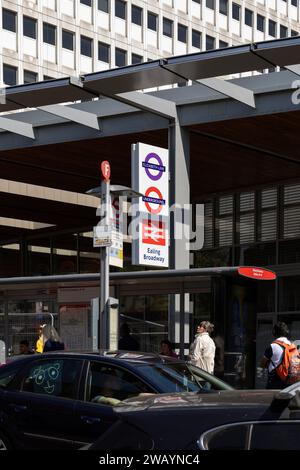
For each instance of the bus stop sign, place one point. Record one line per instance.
(257, 273)
(105, 170)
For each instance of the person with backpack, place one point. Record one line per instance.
(282, 359)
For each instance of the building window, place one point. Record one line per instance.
(152, 21)
(9, 20)
(294, 2)
(29, 27)
(182, 33)
(260, 23)
(67, 40)
(103, 5)
(283, 31)
(86, 2)
(104, 52)
(49, 33)
(86, 45)
(272, 28)
(136, 59)
(120, 57)
(167, 27)
(246, 217)
(196, 1)
(196, 39)
(47, 77)
(9, 75)
(222, 44)
(210, 42)
(294, 33)
(248, 17)
(120, 9)
(136, 15)
(223, 7)
(210, 4)
(30, 77)
(236, 9)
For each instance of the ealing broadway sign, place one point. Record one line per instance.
(150, 177)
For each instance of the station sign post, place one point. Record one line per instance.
(104, 256)
(150, 177)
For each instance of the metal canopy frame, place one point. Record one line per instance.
(121, 276)
(122, 83)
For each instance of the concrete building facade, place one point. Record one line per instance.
(42, 39)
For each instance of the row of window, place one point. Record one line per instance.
(9, 22)
(49, 33)
(251, 217)
(104, 55)
(260, 22)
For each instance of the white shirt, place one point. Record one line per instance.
(203, 352)
(276, 357)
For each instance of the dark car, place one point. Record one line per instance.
(235, 420)
(61, 399)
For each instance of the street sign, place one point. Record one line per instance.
(102, 236)
(116, 222)
(150, 177)
(105, 170)
(257, 273)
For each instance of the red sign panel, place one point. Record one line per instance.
(257, 273)
(105, 169)
(154, 232)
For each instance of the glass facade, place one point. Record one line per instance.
(258, 228)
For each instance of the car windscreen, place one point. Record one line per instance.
(207, 380)
(175, 377)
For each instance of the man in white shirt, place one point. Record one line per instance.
(273, 355)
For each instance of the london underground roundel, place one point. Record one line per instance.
(260, 274)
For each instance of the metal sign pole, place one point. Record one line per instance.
(104, 265)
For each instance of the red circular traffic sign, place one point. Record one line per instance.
(105, 169)
(257, 273)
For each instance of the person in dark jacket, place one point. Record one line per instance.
(52, 341)
(126, 341)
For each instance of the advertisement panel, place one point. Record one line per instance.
(150, 176)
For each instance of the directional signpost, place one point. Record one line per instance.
(104, 260)
(108, 236)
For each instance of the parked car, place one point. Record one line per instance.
(62, 399)
(235, 420)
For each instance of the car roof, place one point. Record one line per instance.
(109, 356)
(183, 400)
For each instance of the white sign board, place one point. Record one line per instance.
(116, 248)
(102, 236)
(150, 177)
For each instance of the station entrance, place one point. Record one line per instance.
(229, 301)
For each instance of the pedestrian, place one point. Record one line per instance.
(203, 349)
(52, 341)
(24, 347)
(273, 355)
(39, 346)
(166, 348)
(126, 341)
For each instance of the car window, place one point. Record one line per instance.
(113, 382)
(7, 374)
(55, 377)
(231, 437)
(175, 377)
(275, 436)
